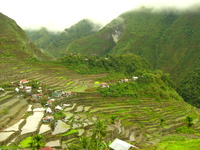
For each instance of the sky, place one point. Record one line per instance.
(60, 14)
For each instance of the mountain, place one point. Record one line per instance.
(14, 44)
(56, 43)
(42, 37)
(167, 39)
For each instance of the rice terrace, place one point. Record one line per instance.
(133, 83)
(137, 120)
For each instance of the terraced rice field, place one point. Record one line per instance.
(137, 120)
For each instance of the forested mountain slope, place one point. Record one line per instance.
(55, 43)
(167, 39)
(14, 44)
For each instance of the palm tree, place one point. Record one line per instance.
(99, 132)
(85, 142)
(37, 142)
(162, 123)
(113, 118)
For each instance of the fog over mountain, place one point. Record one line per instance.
(61, 14)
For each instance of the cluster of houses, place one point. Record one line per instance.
(105, 85)
(127, 80)
(49, 113)
(24, 85)
(36, 92)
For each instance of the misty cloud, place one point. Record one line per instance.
(61, 14)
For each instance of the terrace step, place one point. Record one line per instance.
(13, 114)
(5, 93)
(9, 104)
(6, 97)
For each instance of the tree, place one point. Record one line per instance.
(113, 118)
(99, 132)
(37, 142)
(162, 123)
(189, 120)
(85, 142)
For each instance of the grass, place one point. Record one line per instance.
(177, 145)
(96, 82)
(70, 132)
(174, 138)
(68, 83)
(25, 143)
(64, 78)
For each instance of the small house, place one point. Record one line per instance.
(24, 81)
(125, 80)
(47, 119)
(39, 90)
(46, 148)
(48, 110)
(104, 85)
(27, 89)
(56, 94)
(118, 144)
(134, 78)
(58, 108)
(36, 96)
(1, 89)
(16, 89)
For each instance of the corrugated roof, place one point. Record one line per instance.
(121, 145)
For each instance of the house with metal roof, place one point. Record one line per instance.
(118, 144)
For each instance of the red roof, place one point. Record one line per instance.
(46, 148)
(24, 80)
(37, 94)
(103, 83)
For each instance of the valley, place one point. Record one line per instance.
(86, 87)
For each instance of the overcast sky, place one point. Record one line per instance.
(61, 14)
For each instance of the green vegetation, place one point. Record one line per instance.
(148, 107)
(26, 142)
(14, 44)
(70, 132)
(167, 39)
(96, 141)
(189, 88)
(153, 85)
(55, 43)
(126, 64)
(175, 145)
(37, 142)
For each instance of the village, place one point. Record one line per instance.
(47, 115)
(36, 92)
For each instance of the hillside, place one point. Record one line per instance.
(143, 112)
(55, 43)
(14, 44)
(167, 39)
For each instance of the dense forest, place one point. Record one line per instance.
(125, 64)
(189, 88)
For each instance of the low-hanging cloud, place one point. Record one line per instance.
(61, 14)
